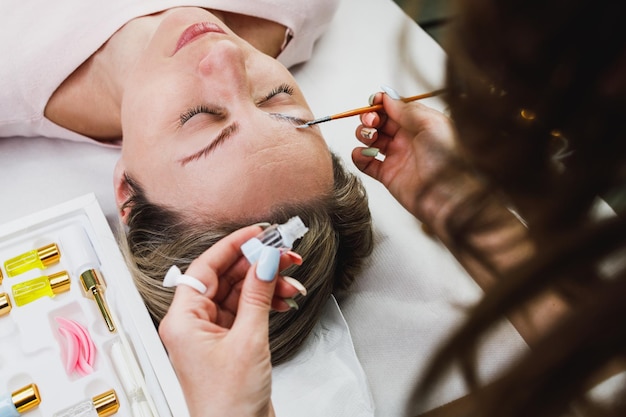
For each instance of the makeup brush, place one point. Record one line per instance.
(367, 109)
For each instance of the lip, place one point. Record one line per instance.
(194, 31)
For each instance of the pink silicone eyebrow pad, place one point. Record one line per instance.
(71, 350)
(81, 349)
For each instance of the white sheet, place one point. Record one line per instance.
(326, 377)
(412, 292)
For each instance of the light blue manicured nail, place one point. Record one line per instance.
(390, 92)
(371, 98)
(267, 267)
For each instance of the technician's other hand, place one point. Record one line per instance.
(418, 144)
(218, 342)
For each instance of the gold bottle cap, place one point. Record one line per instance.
(49, 254)
(26, 398)
(59, 282)
(106, 404)
(5, 304)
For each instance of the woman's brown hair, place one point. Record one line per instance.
(537, 90)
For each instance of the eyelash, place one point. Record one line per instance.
(283, 88)
(184, 117)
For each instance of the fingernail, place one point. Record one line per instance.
(267, 267)
(370, 151)
(291, 303)
(295, 257)
(371, 98)
(296, 284)
(369, 118)
(262, 224)
(390, 92)
(367, 132)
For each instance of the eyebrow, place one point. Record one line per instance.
(230, 130)
(295, 121)
(225, 133)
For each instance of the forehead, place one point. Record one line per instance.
(268, 162)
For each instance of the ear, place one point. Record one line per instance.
(122, 190)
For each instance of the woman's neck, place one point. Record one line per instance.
(89, 100)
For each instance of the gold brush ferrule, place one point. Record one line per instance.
(91, 281)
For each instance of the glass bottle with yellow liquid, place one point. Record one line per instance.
(33, 289)
(40, 258)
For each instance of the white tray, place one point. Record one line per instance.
(31, 345)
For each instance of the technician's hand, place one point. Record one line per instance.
(418, 144)
(218, 342)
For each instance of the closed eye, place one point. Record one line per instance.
(189, 113)
(283, 88)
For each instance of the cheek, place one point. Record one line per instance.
(149, 115)
(154, 100)
(132, 111)
(147, 86)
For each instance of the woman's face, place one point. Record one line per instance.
(209, 124)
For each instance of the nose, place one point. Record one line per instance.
(225, 65)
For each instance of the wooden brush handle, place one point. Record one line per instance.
(377, 107)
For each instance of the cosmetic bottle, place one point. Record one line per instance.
(33, 289)
(20, 401)
(37, 258)
(85, 265)
(103, 405)
(280, 236)
(5, 304)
